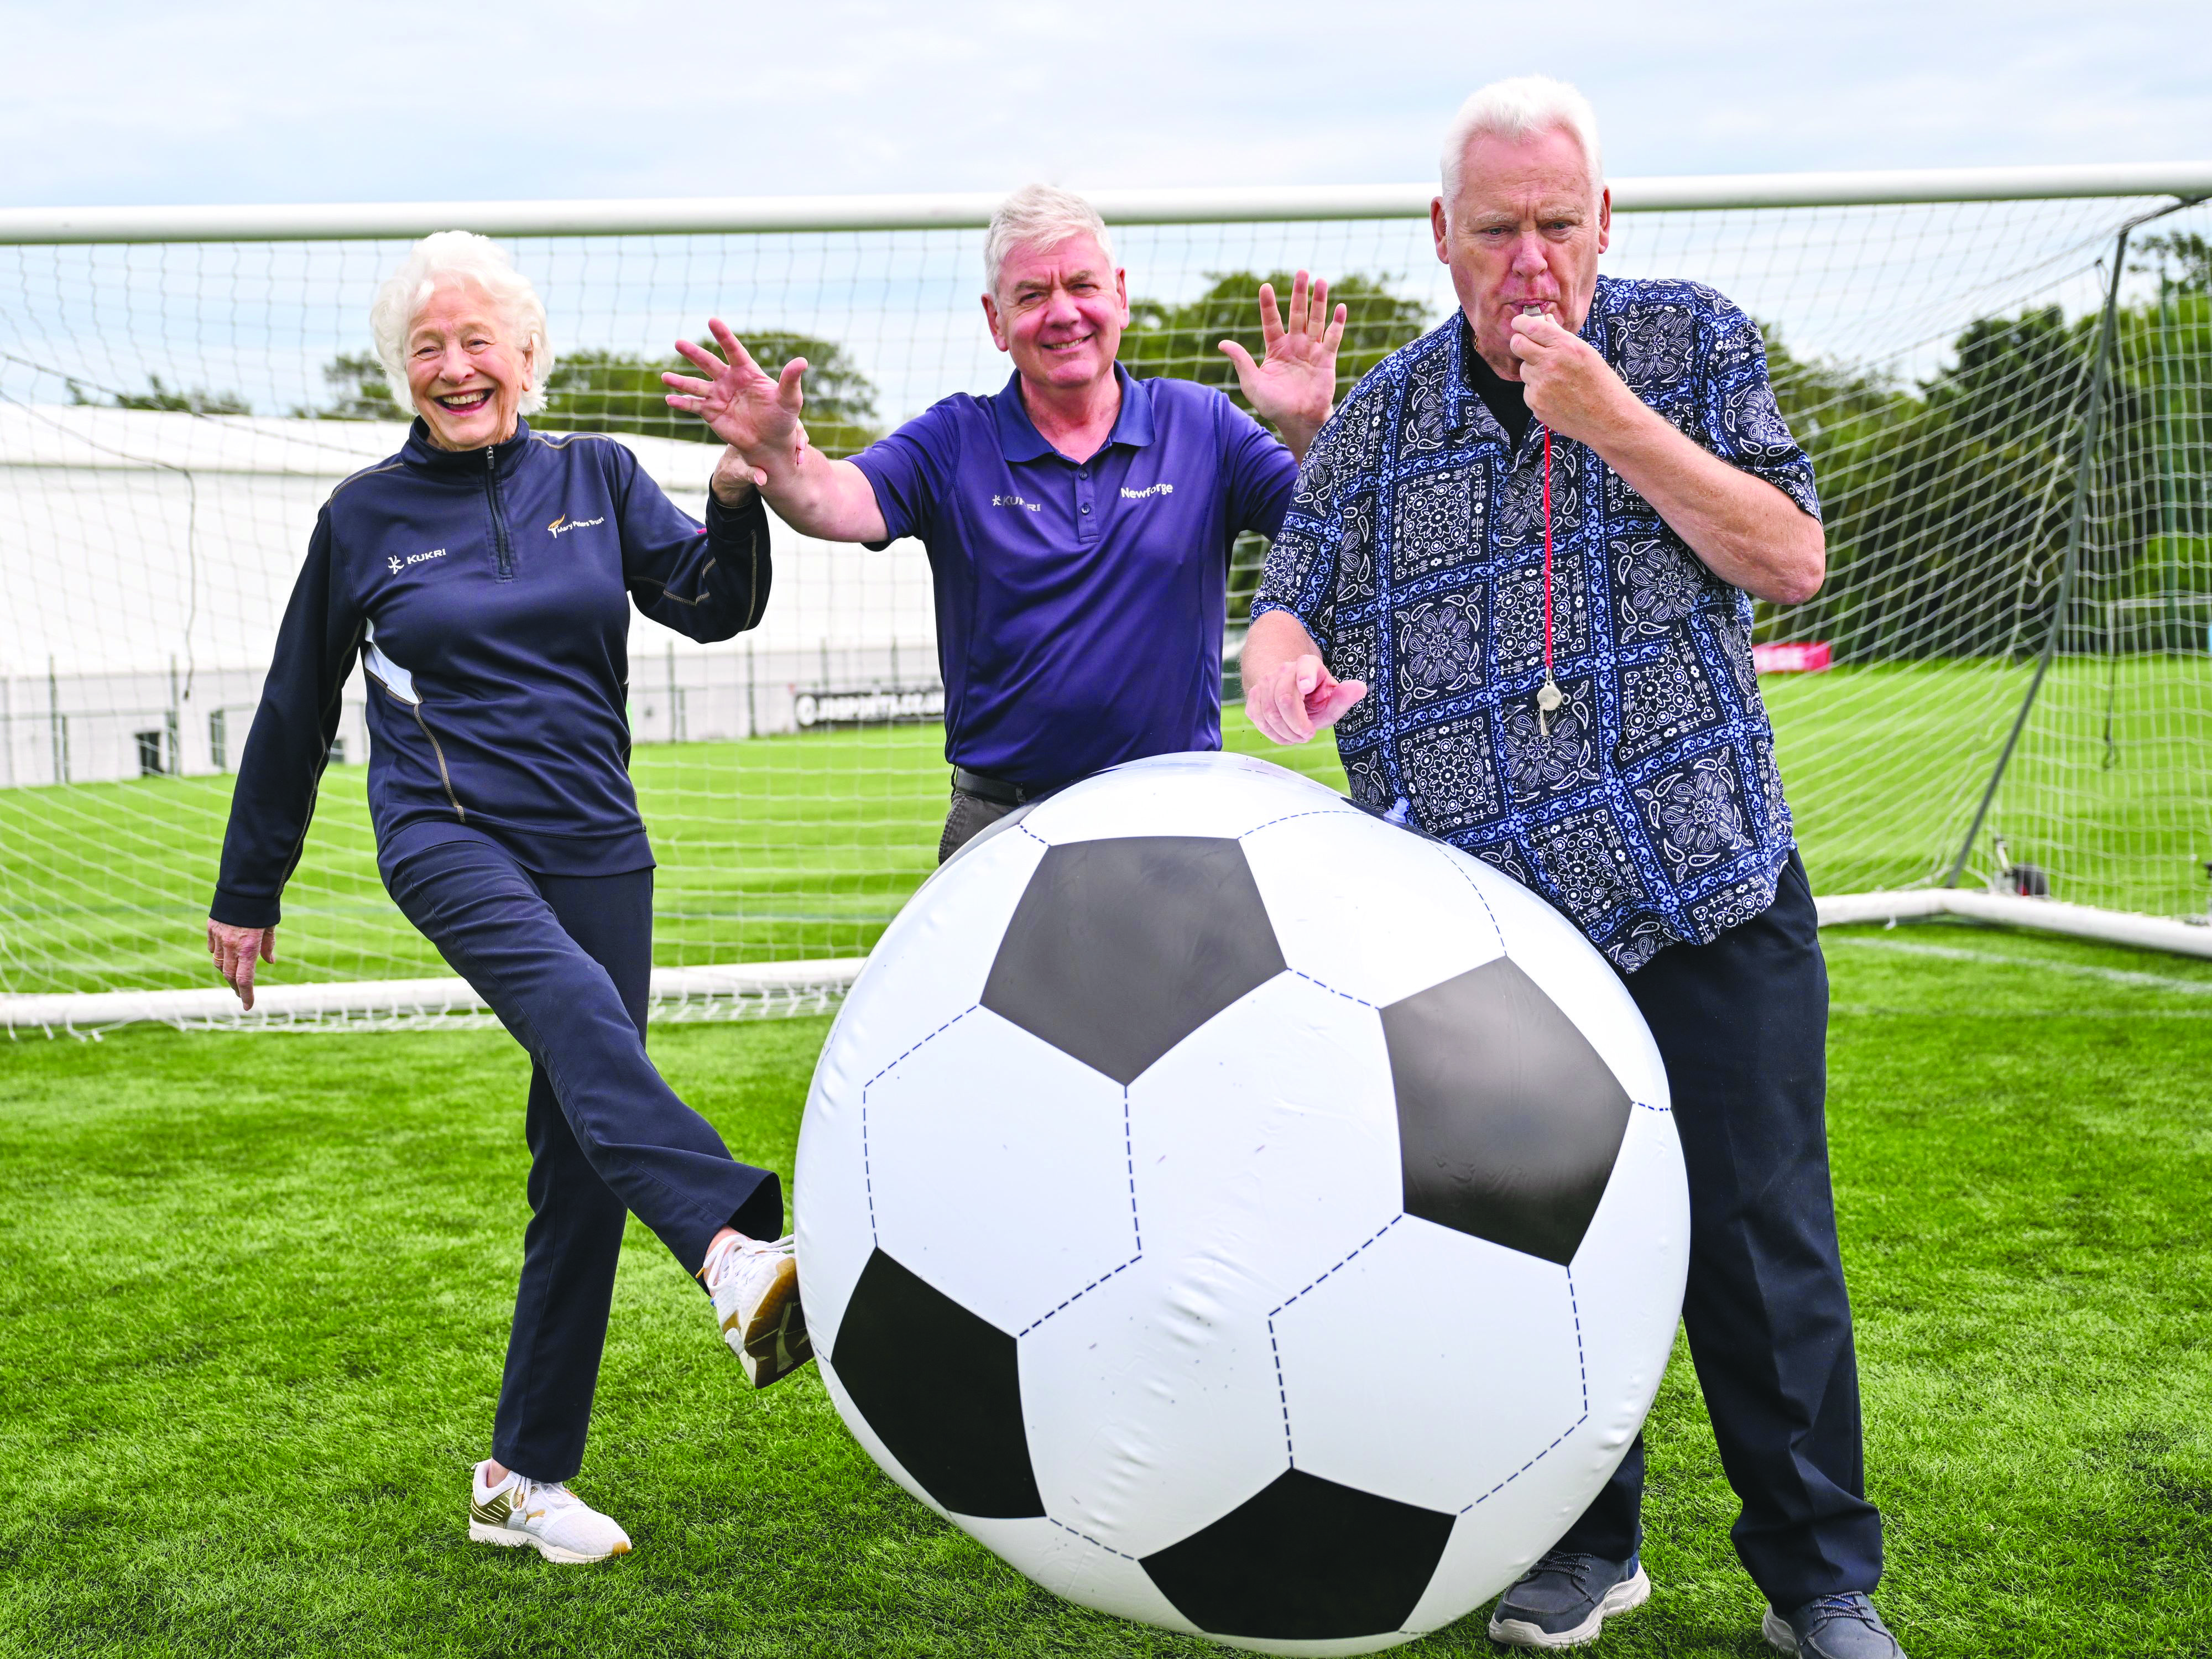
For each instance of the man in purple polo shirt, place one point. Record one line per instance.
(1078, 521)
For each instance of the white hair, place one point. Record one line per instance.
(1039, 215)
(1516, 111)
(451, 258)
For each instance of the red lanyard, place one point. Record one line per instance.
(1548, 556)
(1548, 698)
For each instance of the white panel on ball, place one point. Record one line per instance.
(1483, 1351)
(1081, 1569)
(1630, 1274)
(1553, 953)
(929, 969)
(1000, 1169)
(932, 960)
(1398, 930)
(833, 1232)
(1259, 1141)
(1233, 794)
(1149, 1399)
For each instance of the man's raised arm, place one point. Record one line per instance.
(757, 416)
(1294, 383)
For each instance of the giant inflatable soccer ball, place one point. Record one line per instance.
(1240, 1213)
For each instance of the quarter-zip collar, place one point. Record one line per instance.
(419, 451)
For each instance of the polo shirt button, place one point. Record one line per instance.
(1086, 507)
(1082, 472)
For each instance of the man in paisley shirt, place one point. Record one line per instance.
(1617, 759)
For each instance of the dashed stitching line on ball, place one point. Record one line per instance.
(1481, 897)
(1129, 1162)
(1088, 1539)
(867, 1171)
(1377, 1233)
(1649, 1107)
(1332, 990)
(1581, 1365)
(1282, 1388)
(1080, 1294)
(1318, 812)
(1582, 1357)
(1283, 1393)
(924, 1043)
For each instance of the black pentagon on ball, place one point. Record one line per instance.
(1120, 949)
(941, 1389)
(1304, 1559)
(1508, 1120)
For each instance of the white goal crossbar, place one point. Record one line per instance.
(969, 210)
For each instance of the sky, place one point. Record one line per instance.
(288, 101)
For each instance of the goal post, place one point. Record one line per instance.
(2003, 694)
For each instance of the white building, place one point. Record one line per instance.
(147, 557)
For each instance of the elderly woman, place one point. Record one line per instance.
(481, 574)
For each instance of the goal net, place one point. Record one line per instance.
(173, 412)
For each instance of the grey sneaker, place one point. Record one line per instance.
(1832, 1628)
(1564, 1599)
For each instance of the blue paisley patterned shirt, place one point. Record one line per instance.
(1652, 813)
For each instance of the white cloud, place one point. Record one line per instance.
(250, 99)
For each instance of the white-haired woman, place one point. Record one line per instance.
(483, 574)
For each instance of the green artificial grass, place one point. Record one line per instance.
(254, 1293)
(805, 847)
(779, 849)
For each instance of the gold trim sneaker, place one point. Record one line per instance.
(545, 1515)
(756, 1291)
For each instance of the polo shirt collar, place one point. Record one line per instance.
(1020, 441)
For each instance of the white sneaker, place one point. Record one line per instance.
(549, 1518)
(756, 1290)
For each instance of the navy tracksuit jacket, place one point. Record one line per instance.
(488, 594)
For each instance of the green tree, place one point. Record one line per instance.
(594, 390)
(359, 391)
(198, 400)
(1947, 504)
(1183, 340)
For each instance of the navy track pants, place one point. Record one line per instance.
(1742, 1026)
(566, 963)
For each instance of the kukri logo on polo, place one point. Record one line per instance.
(561, 526)
(398, 565)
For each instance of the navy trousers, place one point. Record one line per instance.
(1742, 1026)
(566, 963)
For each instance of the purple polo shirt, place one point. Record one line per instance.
(1080, 607)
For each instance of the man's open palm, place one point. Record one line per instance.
(753, 413)
(1295, 379)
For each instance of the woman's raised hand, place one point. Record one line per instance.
(235, 949)
(756, 415)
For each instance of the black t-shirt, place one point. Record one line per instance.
(1507, 399)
